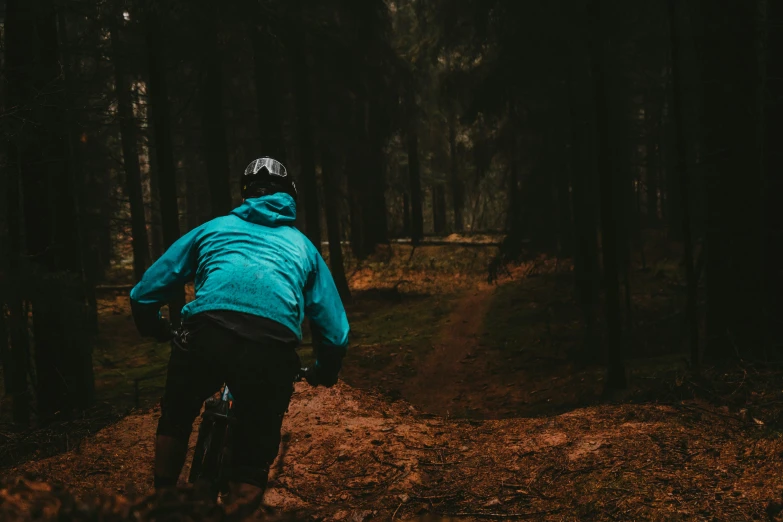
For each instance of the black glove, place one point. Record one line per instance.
(327, 366)
(150, 323)
(164, 332)
(324, 377)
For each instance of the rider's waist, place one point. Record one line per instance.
(248, 326)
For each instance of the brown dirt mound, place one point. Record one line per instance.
(355, 455)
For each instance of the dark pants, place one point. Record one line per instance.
(260, 377)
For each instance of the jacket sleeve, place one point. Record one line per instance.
(327, 314)
(161, 281)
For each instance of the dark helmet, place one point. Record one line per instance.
(266, 176)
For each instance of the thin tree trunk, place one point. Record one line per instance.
(615, 357)
(355, 204)
(734, 137)
(561, 196)
(414, 173)
(457, 195)
(514, 210)
(161, 121)
(130, 155)
(515, 233)
(156, 226)
(212, 122)
(196, 206)
(18, 343)
(651, 167)
(761, 22)
(40, 218)
(84, 310)
(5, 353)
(267, 72)
(671, 179)
(356, 166)
(406, 214)
(439, 209)
(18, 54)
(682, 174)
(376, 229)
(585, 254)
(661, 175)
(331, 204)
(514, 206)
(773, 165)
(304, 121)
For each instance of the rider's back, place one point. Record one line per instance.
(253, 261)
(248, 264)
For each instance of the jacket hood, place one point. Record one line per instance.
(271, 211)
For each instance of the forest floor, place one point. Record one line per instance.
(461, 399)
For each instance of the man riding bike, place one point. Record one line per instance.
(256, 277)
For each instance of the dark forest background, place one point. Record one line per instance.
(583, 129)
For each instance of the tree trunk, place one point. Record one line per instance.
(18, 342)
(130, 154)
(304, 119)
(376, 228)
(357, 167)
(671, 179)
(268, 72)
(414, 171)
(356, 203)
(6, 353)
(406, 214)
(367, 182)
(82, 319)
(161, 121)
(561, 197)
(156, 226)
(584, 224)
(773, 164)
(457, 195)
(682, 174)
(762, 53)
(651, 164)
(439, 209)
(514, 210)
(212, 123)
(515, 233)
(615, 357)
(18, 54)
(197, 206)
(332, 207)
(734, 144)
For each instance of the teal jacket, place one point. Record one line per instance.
(255, 261)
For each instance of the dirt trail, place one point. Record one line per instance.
(349, 454)
(439, 385)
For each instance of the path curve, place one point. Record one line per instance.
(444, 375)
